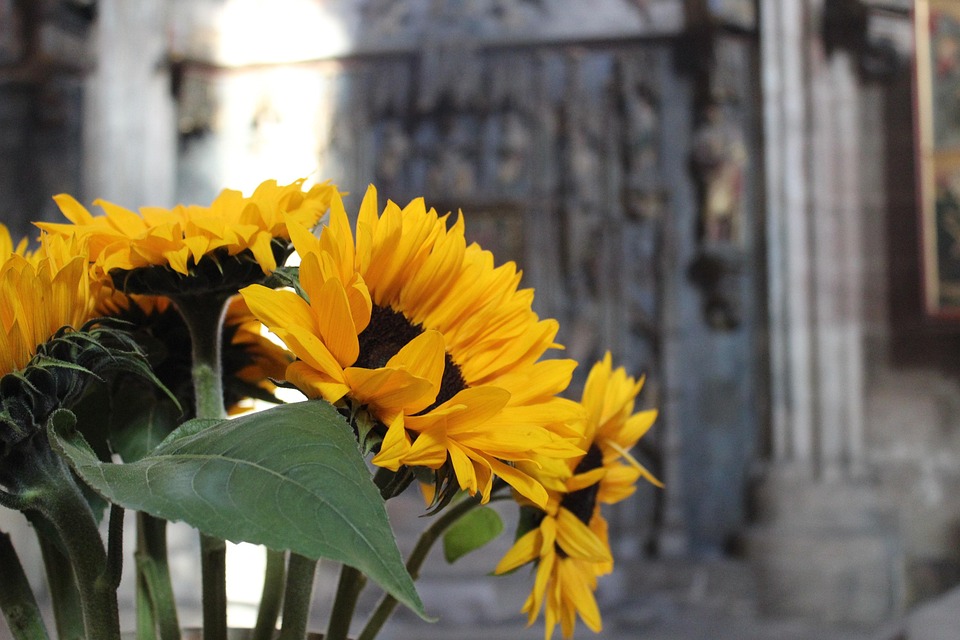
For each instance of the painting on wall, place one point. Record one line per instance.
(937, 24)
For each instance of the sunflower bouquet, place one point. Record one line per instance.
(129, 337)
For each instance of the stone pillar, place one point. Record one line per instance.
(824, 545)
(129, 128)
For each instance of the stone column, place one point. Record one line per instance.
(129, 122)
(824, 545)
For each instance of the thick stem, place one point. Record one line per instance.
(213, 558)
(17, 601)
(64, 598)
(415, 562)
(204, 318)
(351, 584)
(272, 597)
(154, 578)
(296, 599)
(146, 624)
(115, 546)
(56, 497)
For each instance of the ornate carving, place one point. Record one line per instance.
(512, 150)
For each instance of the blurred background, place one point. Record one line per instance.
(748, 201)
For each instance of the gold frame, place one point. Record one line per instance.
(937, 108)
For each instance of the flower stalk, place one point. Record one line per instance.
(352, 582)
(415, 562)
(17, 601)
(296, 599)
(204, 315)
(52, 494)
(271, 600)
(157, 611)
(65, 601)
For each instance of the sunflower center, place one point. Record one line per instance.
(582, 502)
(388, 332)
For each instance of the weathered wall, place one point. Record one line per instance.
(913, 364)
(43, 58)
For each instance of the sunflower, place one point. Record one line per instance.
(570, 555)
(235, 241)
(413, 327)
(250, 360)
(51, 345)
(40, 292)
(567, 539)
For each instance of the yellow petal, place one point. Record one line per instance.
(423, 357)
(73, 210)
(278, 309)
(578, 540)
(335, 322)
(525, 485)
(524, 550)
(262, 250)
(395, 445)
(389, 391)
(577, 596)
(428, 450)
(314, 384)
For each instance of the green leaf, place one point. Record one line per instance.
(475, 529)
(140, 426)
(291, 477)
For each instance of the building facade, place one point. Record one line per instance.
(721, 193)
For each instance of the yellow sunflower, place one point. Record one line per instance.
(612, 426)
(250, 360)
(40, 292)
(420, 330)
(570, 555)
(569, 540)
(235, 239)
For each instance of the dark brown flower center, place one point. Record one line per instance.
(582, 502)
(388, 332)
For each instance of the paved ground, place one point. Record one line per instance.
(672, 601)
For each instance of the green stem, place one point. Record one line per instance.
(115, 546)
(17, 601)
(351, 584)
(204, 315)
(154, 578)
(415, 562)
(213, 558)
(146, 623)
(296, 599)
(57, 498)
(64, 598)
(272, 597)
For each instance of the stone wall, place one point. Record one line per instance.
(913, 364)
(43, 58)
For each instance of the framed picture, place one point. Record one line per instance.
(937, 24)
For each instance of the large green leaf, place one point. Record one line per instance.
(291, 477)
(138, 427)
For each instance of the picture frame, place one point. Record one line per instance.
(937, 109)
